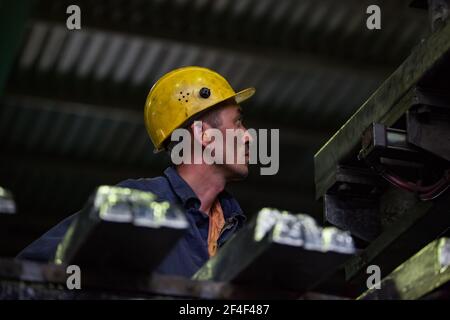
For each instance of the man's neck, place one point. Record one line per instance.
(205, 181)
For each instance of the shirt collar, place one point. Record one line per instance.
(188, 197)
(181, 188)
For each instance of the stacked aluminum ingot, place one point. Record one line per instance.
(280, 250)
(124, 229)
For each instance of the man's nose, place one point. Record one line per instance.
(247, 137)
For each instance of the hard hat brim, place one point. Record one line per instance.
(244, 95)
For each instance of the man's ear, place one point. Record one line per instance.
(199, 128)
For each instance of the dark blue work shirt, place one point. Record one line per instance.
(189, 254)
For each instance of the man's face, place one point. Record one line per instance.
(231, 119)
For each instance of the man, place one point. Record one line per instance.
(175, 101)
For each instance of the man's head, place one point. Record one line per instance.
(182, 95)
(231, 154)
(220, 139)
(194, 93)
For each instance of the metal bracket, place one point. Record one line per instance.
(379, 141)
(428, 123)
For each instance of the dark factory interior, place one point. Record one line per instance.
(72, 103)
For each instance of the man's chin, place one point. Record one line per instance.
(238, 172)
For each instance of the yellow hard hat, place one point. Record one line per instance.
(182, 93)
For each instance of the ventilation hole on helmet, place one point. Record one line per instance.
(187, 93)
(183, 97)
(179, 99)
(186, 100)
(181, 92)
